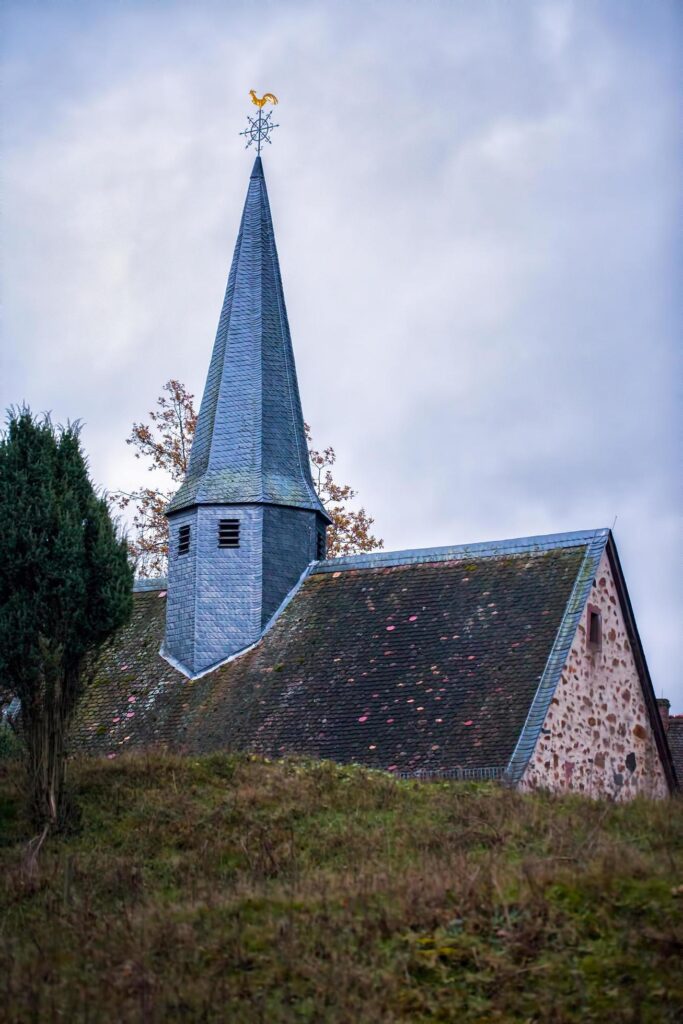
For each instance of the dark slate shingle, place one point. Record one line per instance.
(427, 666)
(675, 738)
(249, 445)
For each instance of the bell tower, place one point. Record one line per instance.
(246, 521)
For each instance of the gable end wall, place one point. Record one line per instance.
(597, 738)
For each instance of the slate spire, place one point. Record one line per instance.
(246, 521)
(249, 446)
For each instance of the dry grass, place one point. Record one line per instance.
(230, 889)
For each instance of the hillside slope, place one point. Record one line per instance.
(233, 889)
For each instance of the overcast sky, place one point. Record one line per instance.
(475, 206)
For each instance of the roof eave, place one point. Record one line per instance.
(641, 665)
(576, 602)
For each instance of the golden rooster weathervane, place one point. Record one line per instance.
(268, 97)
(260, 127)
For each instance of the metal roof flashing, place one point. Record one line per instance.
(595, 546)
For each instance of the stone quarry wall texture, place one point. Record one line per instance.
(597, 738)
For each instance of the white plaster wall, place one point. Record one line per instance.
(597, 717)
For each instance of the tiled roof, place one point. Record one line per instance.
(249, 445)
(411, 661)
(675, 738)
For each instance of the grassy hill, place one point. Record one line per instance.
(232, 889)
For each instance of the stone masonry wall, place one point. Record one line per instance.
(597, 738)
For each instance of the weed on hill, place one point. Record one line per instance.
(233, 889)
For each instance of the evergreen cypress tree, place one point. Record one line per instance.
(65, 587)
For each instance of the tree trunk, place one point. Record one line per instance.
(46, 723)
(46, 766)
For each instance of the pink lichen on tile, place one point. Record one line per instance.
(131, 700)
(162, 593)
(130, 714)
(412, 618)
(363, 718)
(390, 628)
(468, 722)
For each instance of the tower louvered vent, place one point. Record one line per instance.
(184, 539)
(228, 533)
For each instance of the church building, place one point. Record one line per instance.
(517, 660)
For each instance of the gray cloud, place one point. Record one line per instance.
(475, 210)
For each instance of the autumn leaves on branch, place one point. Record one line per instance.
(165, 444)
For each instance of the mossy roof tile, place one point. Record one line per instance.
(422, 666)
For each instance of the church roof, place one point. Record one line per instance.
(249, 444)
(675, 738)
(441, 661)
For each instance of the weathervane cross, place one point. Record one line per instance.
(260, 127)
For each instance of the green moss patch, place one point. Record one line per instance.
(232, 888)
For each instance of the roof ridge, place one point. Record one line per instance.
(482, 549)
(144, 583)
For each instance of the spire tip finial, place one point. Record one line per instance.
(257, 169)
(260, 127)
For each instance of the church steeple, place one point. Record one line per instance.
(249, 445)
(246, 520)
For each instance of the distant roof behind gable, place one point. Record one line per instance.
(435, 660)
(675, 738)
